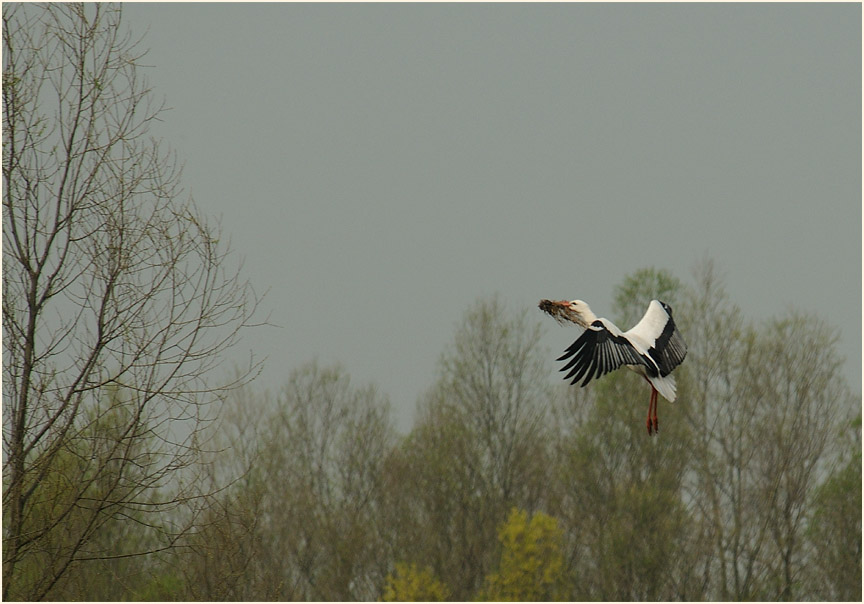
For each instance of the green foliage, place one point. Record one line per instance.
(532, 564)
(621, 496)
(440, 509)
(162, 588)
(75, 513)
(408, 584)
(835, 529)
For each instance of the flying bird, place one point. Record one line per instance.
(652, 348)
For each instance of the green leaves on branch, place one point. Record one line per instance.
(531, 567)
(409, 584)
(532, 564)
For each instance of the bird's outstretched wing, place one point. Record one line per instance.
(601, 349)
(657, 332)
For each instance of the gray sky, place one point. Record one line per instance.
(380, 167)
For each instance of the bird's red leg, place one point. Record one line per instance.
(656, 426)
(650, 405)
(652, 413)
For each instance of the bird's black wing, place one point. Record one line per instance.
(669, 348)
(599, 351)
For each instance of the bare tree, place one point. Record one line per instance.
(326, 445)
(800, 401)
(303, 522)
(478, 449)
(494, 379)
(109, 282)
(220, 561)
(765, 404)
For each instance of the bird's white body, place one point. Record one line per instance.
(643, 336)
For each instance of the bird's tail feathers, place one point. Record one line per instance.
(665, 386)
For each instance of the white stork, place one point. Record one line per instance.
(652, 348)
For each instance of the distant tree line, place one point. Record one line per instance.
(511, 487)
(135, 467)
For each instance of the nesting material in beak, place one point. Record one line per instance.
(558, 310)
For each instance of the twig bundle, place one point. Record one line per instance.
(560, 310)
